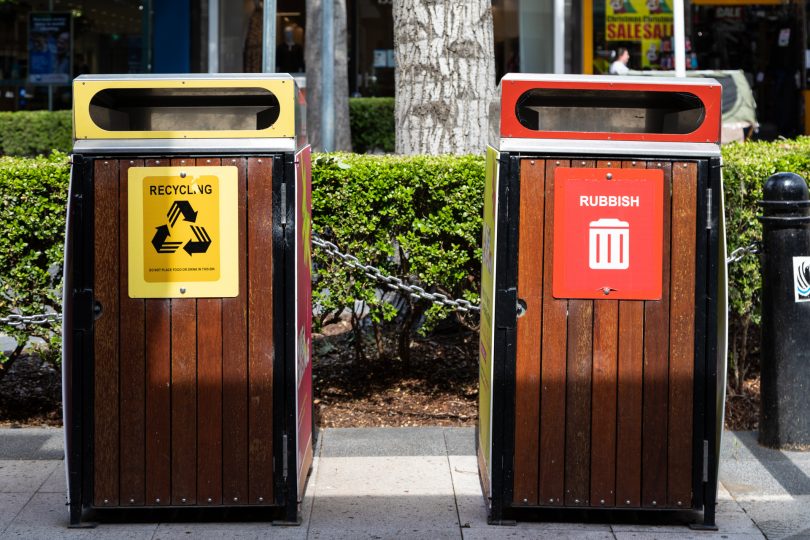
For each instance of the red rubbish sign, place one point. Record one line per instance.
(608, 233)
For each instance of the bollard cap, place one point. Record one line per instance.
(786, 200)
(785, 186)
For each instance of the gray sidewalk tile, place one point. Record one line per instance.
(781, 519)
(56, 482)
(364, 442)
(45, 517)
(518, 533)
(472, 511)
(460, 441)
(225, 531)
(24, 476)
(31, 443)
(384, 534)
(10, 506)
(691, 535)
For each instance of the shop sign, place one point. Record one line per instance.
(50, 45)
(608, 233)
(648, 22)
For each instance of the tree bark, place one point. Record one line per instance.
(312, 58)
(445, 75)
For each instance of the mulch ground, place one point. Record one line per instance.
(438, 387)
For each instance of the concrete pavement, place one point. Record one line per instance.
(410, 483)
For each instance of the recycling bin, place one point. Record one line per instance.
(603, 296)
(187, 302)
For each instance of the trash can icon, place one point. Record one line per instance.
(609, 244)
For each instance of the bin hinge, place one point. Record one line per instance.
(284, 454)
(283, 203)
(705, 461)
(709, 209)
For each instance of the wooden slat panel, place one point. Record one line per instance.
(628, 430)
(158, 395)
(209, 392)
(682, 334)
(530, 290)
(552, 393)
(260, 336)
(578, 403)
(184, 395)
(629, 399)
(603, 421)
(603, 417)
(234, 367)
(656, 371)
(105, 284)
(133, 365)
(578, 395)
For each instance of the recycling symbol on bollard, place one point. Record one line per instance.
(198, 239)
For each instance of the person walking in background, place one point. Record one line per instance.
(619, 66)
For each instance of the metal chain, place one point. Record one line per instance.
(741, 252)
(392, 282)
(20, 321)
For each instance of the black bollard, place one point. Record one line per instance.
(785, 357)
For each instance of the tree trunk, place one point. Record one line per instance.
(312, 58)
(445, 75)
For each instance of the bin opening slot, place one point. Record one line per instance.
(184, 109)
(610, 111)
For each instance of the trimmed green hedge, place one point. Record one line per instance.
(29, 133)
(372, 124)
(33, 200)
(416, 217)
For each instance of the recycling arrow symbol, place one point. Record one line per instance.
(199, 244)
(202, 243)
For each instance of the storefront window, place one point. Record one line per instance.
(46, 44)
(642, 27)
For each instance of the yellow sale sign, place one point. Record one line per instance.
(638, 20)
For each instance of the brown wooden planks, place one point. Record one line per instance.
(235, 367)
(184, 395)
(578, 396)
(158, 394)
(530, 291)
(578, 403)
(133, 365)
(629, 398)
(106, 368)
(553, 366)
(603, 398)
(603, 420)
(682, 334)
(209, 393)
(260, 336)
(656, 371)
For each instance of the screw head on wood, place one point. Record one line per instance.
(132, 501)
(157, 501)
(261, 499)
(183, 501)
(602, 501)
(557, 162)
(106, 501)
(634, 164)
(627, 501)
(235, 499)
(210, 499)
(182, 174)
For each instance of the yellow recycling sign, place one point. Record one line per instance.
(183, 232)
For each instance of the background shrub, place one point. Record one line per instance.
(372, 124)
(746, 167)
(29, 133)
(33, 199)
(416, 217)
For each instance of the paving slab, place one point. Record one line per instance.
(32, 444)
(10, 505)
(359, 442)
(57, 481)
(18, 476)
(45, 517)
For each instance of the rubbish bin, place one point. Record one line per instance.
(603, 298)
(187, 374)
